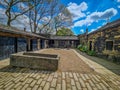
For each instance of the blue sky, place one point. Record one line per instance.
(92, 14)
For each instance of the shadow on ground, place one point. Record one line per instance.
(12, 69)
(115, 68)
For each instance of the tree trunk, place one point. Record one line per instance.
(8, 23)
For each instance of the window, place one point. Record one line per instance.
(109, 45)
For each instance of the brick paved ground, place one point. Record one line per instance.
(12, 78)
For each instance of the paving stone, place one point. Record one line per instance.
(19, 87)
(63, 75)
(72, 82)
(70, 74)
(55, 75)
(58, 87)
(40, 88)
(59, 80)
(25, 86)
(75, 76)
(29, 80)
(83, 77)
(39, 81)
(54, 82)
(52, 89)
(82, 82)
(42, 83)
(78, 85)
(35, 87)
(88, 86)
(50, 78)
(68, 85)
(63, 85)
(98, 86)
(91, 83)
(37, 77)
(33, 83)
(86, 76)
(9, 87)
(16, 85)
(28, 88)
(23, 79)
(103, 86)
(74, 88)
(47, 86)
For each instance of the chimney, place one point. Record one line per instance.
(24, 29)
(86, 31)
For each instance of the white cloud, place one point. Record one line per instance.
(82, 30)
(88, 13)
(21, 22)
(103, 15)
(118, 0)
(77, 10)
(92, 30)
(96, 16)
(118, 6)
(95, 29)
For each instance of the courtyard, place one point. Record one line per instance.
(75, 72)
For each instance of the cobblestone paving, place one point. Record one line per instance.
(25, 79)
(12, 78)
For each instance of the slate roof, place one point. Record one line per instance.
(13, 30)
(108, 25)
(64, 37)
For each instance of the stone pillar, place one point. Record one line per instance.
(72, 44)
(45, 43)
(68, 44)
(28, 42)
(38, 44)
(56, 44)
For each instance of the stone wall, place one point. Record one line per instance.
(100, 38)
(6, 47)
(35, 61)
(21, 44)
(34, 44)
(106, 43)
(10, 45)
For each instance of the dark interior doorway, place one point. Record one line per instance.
(90, 45)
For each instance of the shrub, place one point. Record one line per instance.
(91, 53)
(79, 46)
(84, 49)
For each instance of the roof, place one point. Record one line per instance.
(13, 30)
(108, 25)
(64, 37)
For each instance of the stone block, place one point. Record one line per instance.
(35, 61)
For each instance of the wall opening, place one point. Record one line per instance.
(109, 45)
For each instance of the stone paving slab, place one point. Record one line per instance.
(26, 79)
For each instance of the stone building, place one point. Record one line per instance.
(13, 40)
(63, 41)
(105, 41)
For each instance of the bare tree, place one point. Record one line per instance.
(64, 19)
(41, 15)
(15, 8)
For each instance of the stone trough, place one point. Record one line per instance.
(35, 61)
